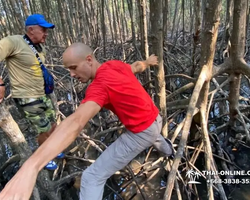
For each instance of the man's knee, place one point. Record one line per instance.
(91, 186)
(45, 135)
(89, 177)
(85, 176)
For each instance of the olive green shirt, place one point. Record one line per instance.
(25, 73)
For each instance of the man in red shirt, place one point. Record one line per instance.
(114, 87)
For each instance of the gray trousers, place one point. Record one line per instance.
(118, 155)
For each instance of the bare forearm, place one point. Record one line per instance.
(21, 185)
(1, 80)
(63, 135)
(60, 139)
(2, 90)
(139, 66)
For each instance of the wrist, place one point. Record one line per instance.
(2, 84)
(31, 165)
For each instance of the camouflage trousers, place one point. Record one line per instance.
(39, 111)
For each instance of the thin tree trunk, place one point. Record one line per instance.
(145, 31)
(156, 19)
(140, 31)
(191, 16)
(226, 33)
(63, 23)
(103, 28)
(7, 11)
(94, 17)
(165, 37)
(32, 6)
(165, 17)
(70, 26)
(145, 36)
(131, 12)
(17, 16)
(197, 30)
(77, 21)
(52, 17)
(110, 21)
(119, 27)
(247, 27)
(43, 7)
(237, 55)
(90, 32)
(183, 22)
(57, 17)
(121, 19)
(207, 57)
(80, 18)
(25, 8)
(174, 19)
(74, 17)
(114, 22)
(125, 21)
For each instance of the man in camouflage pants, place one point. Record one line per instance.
(41, 113)
(26, 77)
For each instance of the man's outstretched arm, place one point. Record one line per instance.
(21, 185)
(140, 66)
(2, 90)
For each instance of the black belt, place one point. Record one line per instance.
(29, 104)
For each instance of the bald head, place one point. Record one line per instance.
(78, 50)
(81, 62)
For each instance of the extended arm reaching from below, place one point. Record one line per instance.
(21, 185)
(2, 90)
(65, 134)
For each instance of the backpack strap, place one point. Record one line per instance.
(31, 45)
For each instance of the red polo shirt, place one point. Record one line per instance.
(116, 88)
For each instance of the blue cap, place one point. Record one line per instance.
(38, 19)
